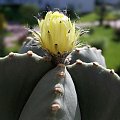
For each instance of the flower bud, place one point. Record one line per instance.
(57, 34)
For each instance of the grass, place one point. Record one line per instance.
(112, 55)
(90, 17)
(111, 49)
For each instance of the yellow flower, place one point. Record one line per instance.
(57, 33)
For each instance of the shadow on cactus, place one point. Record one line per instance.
(52, 79)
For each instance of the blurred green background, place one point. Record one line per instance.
(101, 17)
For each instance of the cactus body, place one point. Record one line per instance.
(86, 54)
(54, 98)
(32, 45)
(19, 74)
(98, 91)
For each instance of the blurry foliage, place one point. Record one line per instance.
(106, 11)
(107, 26)
(116, 36)
(27, 13)
(3, 22)
(2, 48)
(8, 14)
(20, 13)
(116, 13)
(113, 13)
(99, 44)
(11, 12)
(3, 32)
(101, 11)
(109, 13)
(112, 16)
(88, 17)
(70, 11)
(91, 31)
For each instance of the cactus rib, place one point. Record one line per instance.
(19, 74)
(45, 104)
(98, 91)
(86, 54)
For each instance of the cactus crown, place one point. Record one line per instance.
(57, 34)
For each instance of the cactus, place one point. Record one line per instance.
(57, 82)
(18, 76)
(86, 54)
(59, 100)
(32, 45)
(97, 89)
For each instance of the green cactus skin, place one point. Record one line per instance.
(86, 54)
(54, 98)
(19, 74)
(98, 91)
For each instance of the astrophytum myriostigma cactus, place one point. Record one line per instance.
(51, 79)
